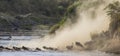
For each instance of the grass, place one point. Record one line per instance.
(71, 10)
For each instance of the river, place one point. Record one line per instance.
(16, 40)
(68, 53)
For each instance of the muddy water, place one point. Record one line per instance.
(85, 53)
(16, 40)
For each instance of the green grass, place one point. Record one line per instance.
(70, 11)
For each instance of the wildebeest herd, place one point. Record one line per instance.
(23, 48)
(70, 47)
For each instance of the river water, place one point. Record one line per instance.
(68, 53)
(16, 40)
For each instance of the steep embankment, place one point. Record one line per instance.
(109, 40)
(94, 28)
(90, 18)
(18, 15)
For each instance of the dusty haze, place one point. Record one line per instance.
(91, 19)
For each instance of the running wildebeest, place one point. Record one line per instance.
(7, 48)
(70, 47)
(16, 48)
(79, 44)
(55, 49)
(38, 49)
(1, 47)
(25, 48)
(50, 48)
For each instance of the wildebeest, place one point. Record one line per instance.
(5, 48)
(38, 49)
(16, 48)
(25, 48)
(8, 48)
(55, 49)
(79, 44)
(50, 48)
(1, 47)
(70, 47)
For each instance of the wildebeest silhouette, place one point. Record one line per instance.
(50, 48)
(1, 47)
(8, 48)
(79, 44)
(70, 47)
(38, 49)
(16, 48)
(25, 48)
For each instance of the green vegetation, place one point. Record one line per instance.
(25, 14)
(108, 41)
(114, 13)
(71, 10)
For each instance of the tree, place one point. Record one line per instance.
(114, 13)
